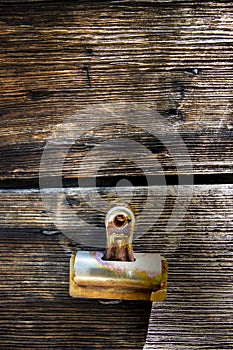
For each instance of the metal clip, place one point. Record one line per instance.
(119, 273)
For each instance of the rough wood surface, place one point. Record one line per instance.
(57, 58)
(38, 313)
(210, 207)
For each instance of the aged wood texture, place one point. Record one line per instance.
(210, 207)
(38, 313)
(58, 58)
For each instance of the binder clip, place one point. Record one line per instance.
(118, 273)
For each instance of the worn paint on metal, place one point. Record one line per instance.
(118, 273)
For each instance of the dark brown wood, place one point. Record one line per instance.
(37, 311)
(59, 58)
(210, 207)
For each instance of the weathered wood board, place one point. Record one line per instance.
(37, 311)
(59, 58)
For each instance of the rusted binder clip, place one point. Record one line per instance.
(118, 273)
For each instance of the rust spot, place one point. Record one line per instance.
(163, 284)
(119, 253)
(164, 267)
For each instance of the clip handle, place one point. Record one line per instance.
(119, 222)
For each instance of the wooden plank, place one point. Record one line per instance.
(37, 313)
(173, 57)
(59, 58)
(210, 205)
(198, 312)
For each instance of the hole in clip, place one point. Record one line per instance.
(120, 220)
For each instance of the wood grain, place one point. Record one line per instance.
(210, 207)
(60, 58)
(37, 313)
(57, 59)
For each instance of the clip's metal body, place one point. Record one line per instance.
(118, 273)
(93, 277)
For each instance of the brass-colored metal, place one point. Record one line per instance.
(128, 275)
(92, 277)
(119, 224)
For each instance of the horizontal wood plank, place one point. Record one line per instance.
(209, 207)
(37, 313)
(59, 58)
